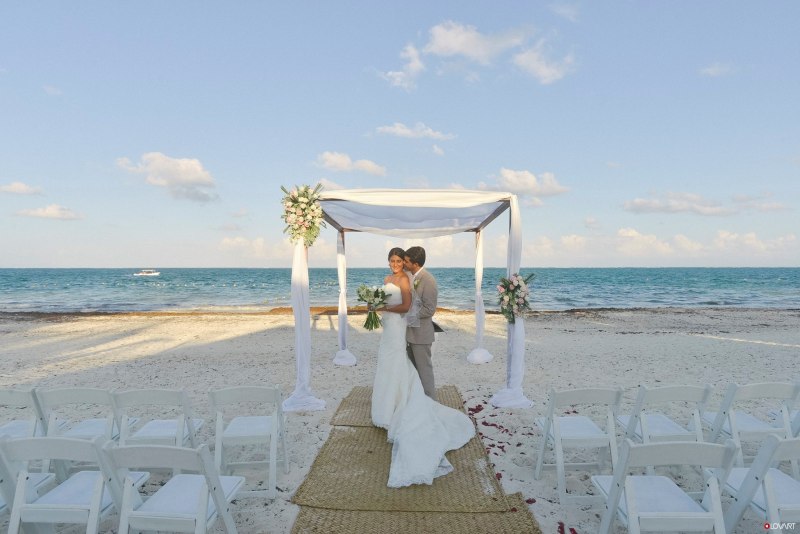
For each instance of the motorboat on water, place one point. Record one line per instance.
(147, 272)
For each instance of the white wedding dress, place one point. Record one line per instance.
(420, 429)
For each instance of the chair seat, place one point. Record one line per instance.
(18, 428)
(787, 489)
(161, 429)
(654, 494)
(77, 489)
(179, 496)
(659, 425)
(745, 422)
(250, 426)
(576, 427)
(36, 482)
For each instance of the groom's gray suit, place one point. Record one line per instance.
(420, 336)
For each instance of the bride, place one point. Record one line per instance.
(420, 429)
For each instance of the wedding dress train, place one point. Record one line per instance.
(420, 429)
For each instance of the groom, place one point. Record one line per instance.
(419, 334)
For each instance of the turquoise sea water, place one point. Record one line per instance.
(84, 290)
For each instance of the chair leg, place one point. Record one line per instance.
(273, 465)
(561, 475)
(540, 460)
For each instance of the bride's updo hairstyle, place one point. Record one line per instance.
(396, 251)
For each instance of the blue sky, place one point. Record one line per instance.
(158, 134)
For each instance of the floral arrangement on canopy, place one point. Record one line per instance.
(302, 213)
(512, 295)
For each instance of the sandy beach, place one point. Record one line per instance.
(203, 351)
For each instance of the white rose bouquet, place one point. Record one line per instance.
(512, 295)
(375, 298)
(302, 213)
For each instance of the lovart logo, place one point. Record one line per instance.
(779, 526)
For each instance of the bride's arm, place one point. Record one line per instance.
(405, 292)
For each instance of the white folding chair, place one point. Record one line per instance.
(740, 424)
(771, 493)
(8, 480)
(578, 431)
(83, 498)
(187, 502)
(260, 421)
(649, 423)
(82, 413)
(647, 503)
(21, 400)
(179, 430)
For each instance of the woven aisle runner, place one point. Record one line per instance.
(346, 491)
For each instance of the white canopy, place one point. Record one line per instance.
(409, 213)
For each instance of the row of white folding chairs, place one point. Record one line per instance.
(645, 424)
(655, 502)
(192, 500)
(126, 418)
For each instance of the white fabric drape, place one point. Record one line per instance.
(343, 356)
(302, 399)
(512, 396)
(479, 354)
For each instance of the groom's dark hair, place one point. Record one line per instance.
(416, 255)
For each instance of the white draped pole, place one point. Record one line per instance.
(302, 399)
(343, 355)
(479, 354)
(512, 396)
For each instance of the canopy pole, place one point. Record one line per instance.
(302, 399)
(343, 356)
(512, 396)
(479, 354)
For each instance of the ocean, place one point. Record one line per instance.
(117, 290)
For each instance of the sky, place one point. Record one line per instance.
(156, 134)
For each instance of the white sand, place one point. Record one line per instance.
(204, 351)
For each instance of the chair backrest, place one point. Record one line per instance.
(245, 394)
(716, 457)
(648, 398)
(256, 397)
(51, 400)
(177, 400)
(24, 398)
(24, 450)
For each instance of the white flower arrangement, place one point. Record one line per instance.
(302, 213)
(512, 295)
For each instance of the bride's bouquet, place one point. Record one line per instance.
(375, 298)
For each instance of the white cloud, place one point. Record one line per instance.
(730, 241)
(242, 212)
(763, 203)
(454, 39)
(413, 67)
(717, 69)
(632, 243)
(677, 203)
(420, 130)
(573, 242)
(52, 91)
(438, 150)
(230, 227)
(525, 183)
(567, 11)
(591, 223)
(534, 62)
(182, 177)
(53, 211)
(341, 162)
(19, 188)
(247, 248)
(685, 244)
